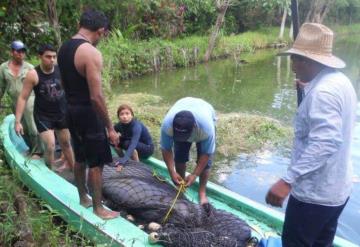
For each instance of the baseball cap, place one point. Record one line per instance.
(18, 45)
(183, 125)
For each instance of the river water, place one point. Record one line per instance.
(262, 85)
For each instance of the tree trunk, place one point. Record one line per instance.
(54, 20)
(282, 26)
(221, 8)
(318, 10)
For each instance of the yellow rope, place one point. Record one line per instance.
(181, 189)
(158, 177)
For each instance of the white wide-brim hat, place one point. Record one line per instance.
(315, 41)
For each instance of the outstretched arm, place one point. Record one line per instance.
(30, 81)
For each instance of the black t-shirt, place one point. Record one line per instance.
(49, 96)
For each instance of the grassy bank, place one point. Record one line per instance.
(125, 58)
(346, 29)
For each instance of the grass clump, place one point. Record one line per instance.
(247, 133)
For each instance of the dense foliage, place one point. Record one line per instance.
(30, 20)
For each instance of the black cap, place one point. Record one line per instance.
(183, 125)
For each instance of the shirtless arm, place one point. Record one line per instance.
(92, 70)
(30, 81)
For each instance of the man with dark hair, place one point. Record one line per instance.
(80, 66)
(12, 75)
(94, 20)
(189, 120)
(319, 176)
(49, 106)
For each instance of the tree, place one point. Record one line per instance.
(221, 7)
(54, 20)
(285, 6)
(318, 10)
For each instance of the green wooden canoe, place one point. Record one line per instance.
(63, 197)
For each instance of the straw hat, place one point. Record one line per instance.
(315, 41)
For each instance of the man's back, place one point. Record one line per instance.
(203, 112)
(75, 85)
(205, 119)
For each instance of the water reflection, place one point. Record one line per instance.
(229, 87)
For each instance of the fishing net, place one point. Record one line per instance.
(147, 197)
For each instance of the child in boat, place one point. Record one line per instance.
(135, 138)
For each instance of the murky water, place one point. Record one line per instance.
(264, 85)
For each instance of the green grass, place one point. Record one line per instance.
(125, 58)
(346, 29)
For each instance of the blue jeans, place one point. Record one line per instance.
(310, 225)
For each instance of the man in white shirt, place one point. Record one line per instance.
(319, 176)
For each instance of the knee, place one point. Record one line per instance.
(65, 144)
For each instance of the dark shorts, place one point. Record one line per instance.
(308, 224)
(89, 137)
(44, 123)
(182, 152)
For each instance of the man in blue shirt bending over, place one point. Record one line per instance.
(189, 120)
(320, 173)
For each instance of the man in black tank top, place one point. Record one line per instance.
(49, 106)
(80, 65)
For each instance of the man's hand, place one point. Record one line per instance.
(176, 178)
(277, 193)
(113, 137)
(190, 179)
(19, 128)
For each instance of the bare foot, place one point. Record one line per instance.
(86, 202)
(35, 156)
(60, 159)
(203, 199)
(106, 214)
